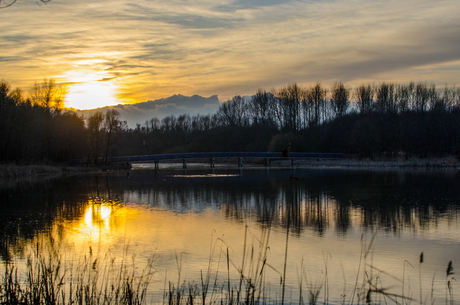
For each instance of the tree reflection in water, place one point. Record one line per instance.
(271, 210)
(318, 200)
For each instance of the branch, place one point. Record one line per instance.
(4, 4)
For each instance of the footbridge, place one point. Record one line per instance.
(212, 156)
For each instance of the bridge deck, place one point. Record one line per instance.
(268, 156)
(203, 155)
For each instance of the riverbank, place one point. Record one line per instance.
(445, 162)
(13, 171)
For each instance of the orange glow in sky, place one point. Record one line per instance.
(113, 51)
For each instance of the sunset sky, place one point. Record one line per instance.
(111, 52)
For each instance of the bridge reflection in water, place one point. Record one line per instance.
(323, 212)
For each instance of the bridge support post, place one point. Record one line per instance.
(240, 162)
(212, 162)
(156, 164)
(267, 161)
(184, 163)
(292, 161)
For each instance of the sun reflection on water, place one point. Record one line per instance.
(97, 218)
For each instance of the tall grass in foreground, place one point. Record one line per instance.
(251, 287)
(49, 277)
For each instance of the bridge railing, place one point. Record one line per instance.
(213, 155)
(178, 156)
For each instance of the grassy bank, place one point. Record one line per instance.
(13, 171)
(379, 162)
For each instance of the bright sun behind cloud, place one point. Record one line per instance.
(91, 94)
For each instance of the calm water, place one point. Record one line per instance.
(315, 222)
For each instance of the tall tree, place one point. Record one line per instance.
(422, 97)
(339, 99)
(261, 108)
(317, 100)
(8, 113)
(385, 102)
(48, 94)
(233, 112)
(96, 135)
(290, 98)
(364, 98)
(112, 124)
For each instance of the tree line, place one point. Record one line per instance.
(387, 119)
(37, 128)
(414, 119)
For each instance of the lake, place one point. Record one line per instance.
(324, 235)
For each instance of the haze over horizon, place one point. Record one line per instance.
(120, 52)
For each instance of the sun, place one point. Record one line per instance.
(91, 94)
(89, 88)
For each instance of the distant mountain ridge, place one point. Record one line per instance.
(174, 105)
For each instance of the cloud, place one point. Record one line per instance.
(153, 49)
(174, 105)
(243, 4)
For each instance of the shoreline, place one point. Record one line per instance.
(13, 171)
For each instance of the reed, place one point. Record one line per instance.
(49, 277)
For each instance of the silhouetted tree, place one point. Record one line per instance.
(261, 108)
(317, 100)
(339, 99)
(48, 94)
(96, 135)
(112, 124)
(364, 98)
(403, 97)
(233, 112)
(422, 96)
(385, 98)
(8, 115)
(290, 98)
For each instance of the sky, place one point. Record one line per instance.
(110, 51)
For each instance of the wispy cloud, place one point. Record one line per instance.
(154, 49)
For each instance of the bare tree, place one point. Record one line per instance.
(96, 135)
(112, 124)
(154, 124)
(364, 97)
(261, 108)
(8, 3)
(48, 94)
(290, 98)
(422, 96)
(339, 99)
(385, 102)
(233, 112)
(403, 95)
(317, 101)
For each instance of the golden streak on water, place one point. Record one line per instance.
(204, 176)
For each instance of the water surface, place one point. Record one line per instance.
(319, 229)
